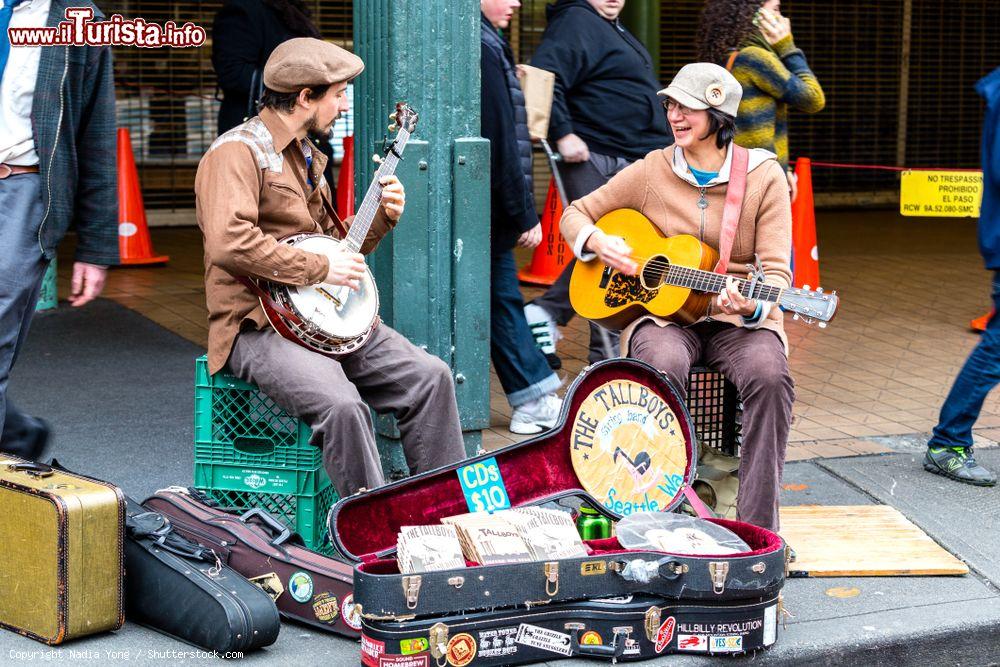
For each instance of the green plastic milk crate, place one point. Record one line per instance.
(235, 422)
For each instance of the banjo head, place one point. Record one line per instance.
(333, 312)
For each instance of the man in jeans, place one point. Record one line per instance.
(949, 452)
(57, 170)
(605, 115)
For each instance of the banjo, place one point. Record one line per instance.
(331, 319)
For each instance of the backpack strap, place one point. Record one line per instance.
(734, 205)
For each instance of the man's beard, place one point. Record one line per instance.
(312, 125)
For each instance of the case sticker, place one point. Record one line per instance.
(770, 625)
(591, 638)
(416, 645)
(352, 616)
(325, 607)
(404, 661)
(483, 486)
(300, 586)
(665, 634)
(628, 449)
(497, 643)
(729, 644)
(461, 650)
(697, 643)
(371, 650)
(545, 639)
(592, 567)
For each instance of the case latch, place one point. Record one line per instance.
(439, 642)
(719, 570)
(551, 578)
(270, 583)
(652, 623)
(411, 589)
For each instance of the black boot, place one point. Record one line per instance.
(23, 436)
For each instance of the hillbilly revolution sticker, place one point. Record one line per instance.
(300, 586)
(545, 639)
(461, 650)
(628, 449)
(352, 616)
(325, 607)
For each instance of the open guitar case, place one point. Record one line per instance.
(613, 603)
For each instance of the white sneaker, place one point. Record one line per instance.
(543, 328)
(537, 416)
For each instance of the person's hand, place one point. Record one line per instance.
(393, 197)
(573, 148)
(531, 238)
(613, 251)
(731, 302)
(793, 185)
(88, 281)
(346, 269)
(774, 27)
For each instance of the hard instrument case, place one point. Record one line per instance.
(182, 589)
(61, 552)
(306, 586)
(626, 428)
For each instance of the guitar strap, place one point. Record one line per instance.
(734, 205)
(261, 294)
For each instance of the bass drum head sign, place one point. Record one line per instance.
(628, 449)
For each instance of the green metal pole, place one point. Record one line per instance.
(433, 269)
(642, 18)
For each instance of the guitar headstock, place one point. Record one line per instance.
(403, 117)
(812, 306)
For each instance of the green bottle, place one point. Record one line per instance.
(592, 525)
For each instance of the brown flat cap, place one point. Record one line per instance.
(302, 62)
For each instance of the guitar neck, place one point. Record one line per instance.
(707, 281)
(365, 215)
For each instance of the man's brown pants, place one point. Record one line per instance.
(333, 396)
(754, 360)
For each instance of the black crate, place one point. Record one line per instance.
(716, 410)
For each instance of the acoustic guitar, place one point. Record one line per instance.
(674, 281)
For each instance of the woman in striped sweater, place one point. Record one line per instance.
(754, 41)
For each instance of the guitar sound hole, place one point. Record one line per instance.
(654, 271)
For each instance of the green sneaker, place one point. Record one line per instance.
(959, 464)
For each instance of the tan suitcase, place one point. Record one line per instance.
(61, 550)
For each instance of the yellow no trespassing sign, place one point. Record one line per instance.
(943, 194)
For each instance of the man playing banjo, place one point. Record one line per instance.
(263, 181)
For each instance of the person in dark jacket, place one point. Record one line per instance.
(605, 114)
(949, 452)
(526, 378)
(57, 171)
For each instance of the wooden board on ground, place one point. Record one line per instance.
(862, 541)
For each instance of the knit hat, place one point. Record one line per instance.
(704, 86)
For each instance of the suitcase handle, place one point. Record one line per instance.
(613, 651)
(32, 468)
(283, 531)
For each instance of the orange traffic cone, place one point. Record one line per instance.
(552, 254)
(134, 245)
(805, 252)
(345, 181)
(979, 324)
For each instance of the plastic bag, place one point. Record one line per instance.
(677, 534)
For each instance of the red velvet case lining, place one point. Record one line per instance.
(368, 524)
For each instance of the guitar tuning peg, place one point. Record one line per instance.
(822, 325)
(833, 293)
(819, 289)
(393, 127)
(393, 116)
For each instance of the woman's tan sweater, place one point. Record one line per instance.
(661, 187)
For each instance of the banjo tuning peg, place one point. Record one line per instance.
(393, 127)
(377, 159)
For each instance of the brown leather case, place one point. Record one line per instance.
(306, 586)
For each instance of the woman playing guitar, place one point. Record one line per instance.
(683, 189)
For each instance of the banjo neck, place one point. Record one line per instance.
(365, 215)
